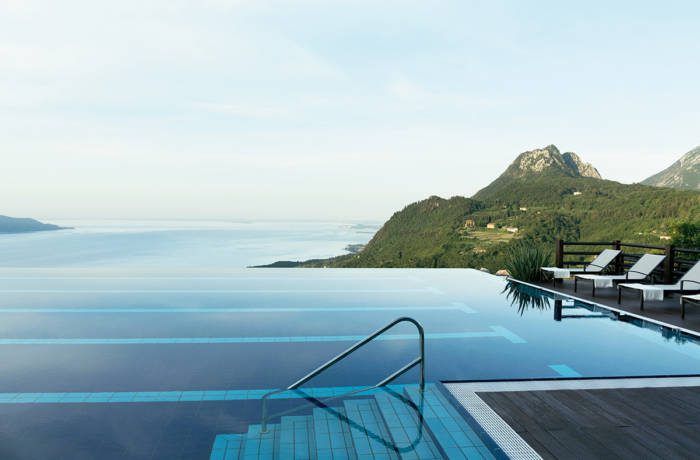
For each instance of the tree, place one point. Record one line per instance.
(686, 234)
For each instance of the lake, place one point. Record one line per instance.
(180, 244)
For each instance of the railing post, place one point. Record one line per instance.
(421, 339)
(620, 259)
(557, 310)
(559, 253)
(669, 264)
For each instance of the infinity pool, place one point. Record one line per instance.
(105, 364)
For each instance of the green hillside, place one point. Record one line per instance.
(539, 198)
(592, 209)
(423, 234)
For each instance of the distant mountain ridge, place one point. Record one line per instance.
(24, 225)
(683, 174)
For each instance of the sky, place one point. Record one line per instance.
(333, 109)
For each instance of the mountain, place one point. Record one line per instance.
(549, 161)
(541, 196)
(537, 165)
(683, 174)
(24, 225)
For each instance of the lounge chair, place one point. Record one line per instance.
(688, 299)
(690, 282)
(640, 271)
(598, 264)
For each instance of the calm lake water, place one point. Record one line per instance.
(180, 244)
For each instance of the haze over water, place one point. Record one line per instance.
(180, 244)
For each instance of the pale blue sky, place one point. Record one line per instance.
(327, 109)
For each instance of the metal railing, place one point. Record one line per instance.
(379, 437)
(419, 360)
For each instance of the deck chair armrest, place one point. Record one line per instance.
(594, 265)
(689, 281)
(627, 275)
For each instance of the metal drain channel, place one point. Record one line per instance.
(502, 434)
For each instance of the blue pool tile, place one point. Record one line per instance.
(496, 331)
(191, 396)
(404, 425)
(451, 431)
(122, 397)
(508, 334)
(226, 447)
(564, 370)
(175, 396)
(214, 396)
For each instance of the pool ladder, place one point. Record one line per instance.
(419, 360)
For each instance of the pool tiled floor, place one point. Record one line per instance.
(414, 424)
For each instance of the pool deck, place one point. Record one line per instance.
(668, 311)
(596, 418)
(615, 423)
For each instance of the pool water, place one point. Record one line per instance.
(155, 364)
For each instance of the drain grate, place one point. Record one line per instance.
(502, 434)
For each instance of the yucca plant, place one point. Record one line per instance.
(524, 260)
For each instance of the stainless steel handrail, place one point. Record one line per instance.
(376, 436)
(419, 360)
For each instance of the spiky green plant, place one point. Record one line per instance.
(525, 258)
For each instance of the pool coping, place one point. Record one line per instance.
(576, 383)
(507, 439)
(618, 311)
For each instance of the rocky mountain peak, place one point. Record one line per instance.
(549, 160)
(582, 168)
(683, 174)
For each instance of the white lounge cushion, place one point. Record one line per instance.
(558, 272)
(596, 266)
(692, 275)
(639, 271)
(645, 265)
(649, 291)
(695, 298)
(601, 281)
(603, 259)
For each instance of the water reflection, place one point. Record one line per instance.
(526, 297)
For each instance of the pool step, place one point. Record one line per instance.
(410, 436)
(227, 447)
(384, 426)
(297, 438)
(371, 437)
(332, 434)
(449, 429)
(258, 445)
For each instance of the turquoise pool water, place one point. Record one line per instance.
(172, 364)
